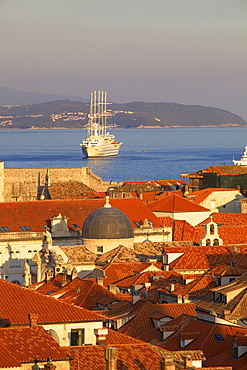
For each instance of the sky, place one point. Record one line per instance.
(183, 51)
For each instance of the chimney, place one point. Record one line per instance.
(101, 335)
(49, 366)
(112, 288)
(187, 361)
(99, 281)
(135, 297)
(33, 317)
(49, 274)
(165, 265)
(172, 287)
(111, 358)
(64, 279)
(226, 314)
(167, 363)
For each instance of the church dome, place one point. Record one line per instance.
(107, 223)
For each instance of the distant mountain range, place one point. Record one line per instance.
(18, 97)
(17, 110)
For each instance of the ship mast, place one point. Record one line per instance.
(97, 114)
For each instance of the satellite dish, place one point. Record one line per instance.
(235, 249)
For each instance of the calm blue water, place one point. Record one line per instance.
(145, 154)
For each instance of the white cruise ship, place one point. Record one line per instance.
(99, 142)
(243, 160)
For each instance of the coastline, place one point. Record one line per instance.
(122, 128)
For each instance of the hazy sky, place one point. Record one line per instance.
(185, 51)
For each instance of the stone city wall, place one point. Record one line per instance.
(22, 184)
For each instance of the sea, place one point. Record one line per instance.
(146, 154)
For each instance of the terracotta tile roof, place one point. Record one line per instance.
(226, 359)
(176, 309)
(36, 213)
(205, 258)
(153, 196)
(182, 230)
(16, 302)
(78, 253)
(236, 284)
(200, 195)
(166, 221)
(118, 254)
(7, 359)
(232, 229)
(237, 306)
(222, 170)
(212, 340)
(66, 189)
(142, 278)
(146, 265)
(84, 293)
(227, 271)
(175, 203)
(141, 315)
(29, 343)
(117, 271)
(130, 357)
(148, 249)
(196, 288)
(52, 285)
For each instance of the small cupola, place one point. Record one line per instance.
(211, 236)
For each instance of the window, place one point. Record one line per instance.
(16, 282)
(216, 242)
(137, 223)
(100, 249)
(25, 228)
(218, 338)
(212, 229)
(76, 226)
(14, 259)
(208, 242)
(77, 337)
(4, 229)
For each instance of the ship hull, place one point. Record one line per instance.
(105, 150)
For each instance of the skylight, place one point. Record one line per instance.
(218, 338)
(4, 229)
(25, 228)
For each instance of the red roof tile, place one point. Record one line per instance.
(175, 203)
(200, 195)
(29, 343)
(130, 357)
(16, 303)
(36, 213)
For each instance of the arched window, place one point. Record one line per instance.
(216, 242)
(211, 229)
(208, 242)
(16, 282)
(54, 335)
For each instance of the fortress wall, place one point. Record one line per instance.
(1, 181)
(22, 184)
